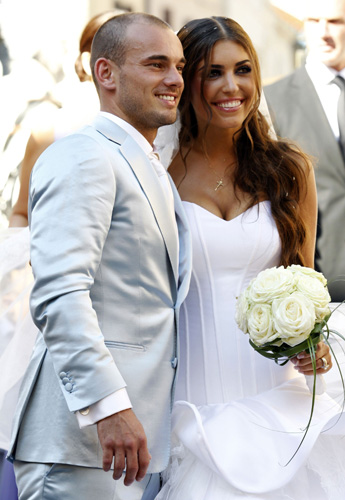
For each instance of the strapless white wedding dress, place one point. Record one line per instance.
(239, 417)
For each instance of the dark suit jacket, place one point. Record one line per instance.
(297, 114)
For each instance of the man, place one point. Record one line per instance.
(303, 107)
(111, 264)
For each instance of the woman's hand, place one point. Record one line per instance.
(323, 359)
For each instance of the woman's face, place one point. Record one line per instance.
(229, 87)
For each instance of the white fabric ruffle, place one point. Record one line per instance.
(241, 449)
(17, 330)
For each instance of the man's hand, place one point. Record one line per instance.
(122, 436)
(304, 365)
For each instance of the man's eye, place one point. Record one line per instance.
(336, 21)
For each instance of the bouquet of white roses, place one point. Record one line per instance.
(285, 311)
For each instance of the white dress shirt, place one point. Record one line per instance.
(119, 400)
(328, 92)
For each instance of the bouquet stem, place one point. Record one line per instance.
(320, 385)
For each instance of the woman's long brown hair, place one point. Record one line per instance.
(266, 168)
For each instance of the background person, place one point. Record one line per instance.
(304, 108)
(80, 106)
(18, 332)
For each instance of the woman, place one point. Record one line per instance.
(251, 203)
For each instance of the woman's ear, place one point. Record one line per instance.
(105, 73)
(85, 62)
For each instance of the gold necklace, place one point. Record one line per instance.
(220, 181)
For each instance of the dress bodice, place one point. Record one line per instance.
(217, 364)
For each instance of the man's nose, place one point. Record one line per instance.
(174, 77)
(323, 28)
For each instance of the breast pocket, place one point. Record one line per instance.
(113, 344)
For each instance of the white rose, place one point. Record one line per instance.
(260, 324)
(315, 290)
(294, 318)
(271, 284)
(242, 307)
(307, 271)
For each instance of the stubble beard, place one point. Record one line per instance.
(151, 120)
(145, 119)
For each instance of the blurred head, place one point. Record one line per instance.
(324, 28)
(199, 38)
(82, 64)
(137, 62)
(4, 57)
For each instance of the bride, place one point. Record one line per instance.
(251, 203)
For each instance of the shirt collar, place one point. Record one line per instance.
(319, 73)
(133, 132)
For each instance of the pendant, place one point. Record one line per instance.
(219, 184)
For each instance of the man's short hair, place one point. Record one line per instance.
(110, 40)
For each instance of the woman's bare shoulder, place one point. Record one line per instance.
(177, 168)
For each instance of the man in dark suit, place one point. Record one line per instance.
(304, 108)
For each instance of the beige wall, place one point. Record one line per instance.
(180, 11)
(28, 23)
(273, 38)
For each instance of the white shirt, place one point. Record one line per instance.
(328, 92)
(119, 400)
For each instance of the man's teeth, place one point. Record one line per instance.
(230, 104)
(167, 97)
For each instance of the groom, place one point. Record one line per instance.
(111, 261)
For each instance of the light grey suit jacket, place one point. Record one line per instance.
(106, 296)
(297, 114)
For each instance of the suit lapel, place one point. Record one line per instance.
(320, 131)
(185, 250)
(310, 103)
(149, 182)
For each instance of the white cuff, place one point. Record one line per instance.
(115, 402)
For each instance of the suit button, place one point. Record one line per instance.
(69, 387)
(174, 363)
(65, 380)
(62, 375)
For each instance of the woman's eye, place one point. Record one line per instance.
(244, 69)
(213, 73)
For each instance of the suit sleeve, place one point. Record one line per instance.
(72, 196)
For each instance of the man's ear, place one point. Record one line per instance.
(105, 73)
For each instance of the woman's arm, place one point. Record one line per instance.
(38, 141)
